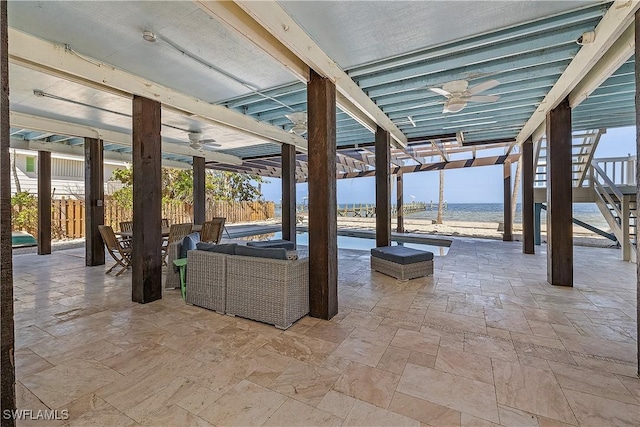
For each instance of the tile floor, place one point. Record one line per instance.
(485, 341)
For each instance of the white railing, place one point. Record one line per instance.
(619, 170)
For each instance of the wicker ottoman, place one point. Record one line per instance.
(402, 263)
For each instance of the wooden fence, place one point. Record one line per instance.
(68, 216)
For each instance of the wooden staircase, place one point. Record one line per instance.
(609, 183)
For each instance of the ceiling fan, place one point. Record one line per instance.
(458, 93)
(197, 143)
(299, 120)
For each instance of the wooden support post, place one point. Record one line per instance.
(147, 201)
(528, 228)
(559, 196)
(626, 243)
(383, 188)
(199, 179)
(44, 202)
(400, 202)
(507, 234)
(637, 102)
(93, 201)
(7, 366)
(323, 242)
(289, 192)
(537, 227)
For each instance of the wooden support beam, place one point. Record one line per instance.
(147, 201)
(289, 193)
(199, 180)
(44, 202)
(528, 243)
(383, 188)
(399, 203)
(507, 234)
(93, 201)
(323, 243)
(637, 102)
(559, 196)
(7, 339)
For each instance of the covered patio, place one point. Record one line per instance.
(485, 340)
(503, 333)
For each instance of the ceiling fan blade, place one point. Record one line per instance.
(489, 84)
(483, 98)
(440, 91)
(209, 142)
(297, 117)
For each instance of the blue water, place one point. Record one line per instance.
(493, 212)
(362, 243)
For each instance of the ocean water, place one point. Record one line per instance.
(493, 212)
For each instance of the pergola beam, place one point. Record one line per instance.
(456, 164)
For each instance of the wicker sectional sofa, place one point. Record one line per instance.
(273, 291)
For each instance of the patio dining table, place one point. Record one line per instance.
(165, 231)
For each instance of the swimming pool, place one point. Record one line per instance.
(358, 241)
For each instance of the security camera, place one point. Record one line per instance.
(586, 38)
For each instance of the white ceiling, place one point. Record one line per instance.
(111, 31)
(358, 32)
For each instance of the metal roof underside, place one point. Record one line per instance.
(525, 46)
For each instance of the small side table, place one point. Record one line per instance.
(181, 263)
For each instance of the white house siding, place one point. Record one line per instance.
(67, 176)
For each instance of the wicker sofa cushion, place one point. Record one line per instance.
(401, 255)
(272, 253)
(189, 243)
(226, 248)
(278, 243)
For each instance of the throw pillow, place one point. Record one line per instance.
(189, 243)
(226, 248)
(272, 253)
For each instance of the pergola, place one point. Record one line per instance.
(134, 79)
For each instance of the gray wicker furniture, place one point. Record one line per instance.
(273, 291)
(206, 280)
(173, 276)
(268, 290)
(402, 263)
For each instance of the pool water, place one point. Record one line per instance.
(365, 244)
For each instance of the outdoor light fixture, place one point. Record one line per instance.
(586, 38)
(149, 36)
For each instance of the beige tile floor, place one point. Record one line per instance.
(485, 341)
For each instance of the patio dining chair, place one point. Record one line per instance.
(128, 227)
(176, 234)
(119, 249)
(212, 230)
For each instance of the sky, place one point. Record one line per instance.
(470, 185)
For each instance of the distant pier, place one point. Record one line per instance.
(363, 210)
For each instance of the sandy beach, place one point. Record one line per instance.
(484, 230)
